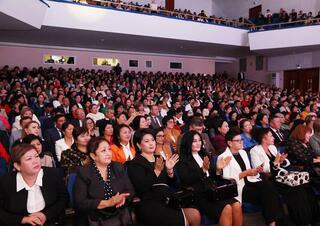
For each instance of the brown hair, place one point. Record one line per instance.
(316, 126)
(25, 109)
(23, 134)
(300, 132)
(20, 150)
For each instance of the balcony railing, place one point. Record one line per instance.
(162, 12)
(293, 24)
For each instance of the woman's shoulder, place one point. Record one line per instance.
(256, 148)
(60, 141)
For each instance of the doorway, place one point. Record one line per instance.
(304, 80)
(255, 11)
(170, 5)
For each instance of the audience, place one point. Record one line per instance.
(133, 101)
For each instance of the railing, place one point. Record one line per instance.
(45, 3)
(298, 23)
(166, 13)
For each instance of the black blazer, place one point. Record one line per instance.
(143, 178)
(13, 204)
(191, 175)
(154, 124)
(50, 137)
(88, 190)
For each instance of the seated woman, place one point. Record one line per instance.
(300, 153)
(106, 131)
(262, 121)
(102, 186)
(90, 126)
(171, 134)
(219, 143)
(300, 200)
(32, 127)
(246, 128)
(194, 170)
(67, 140)
(139, 122)
(122, 149)
(151, 178)
(31, 195)
(250, 187)
(162, 149)
(77, 156)
(45, 157)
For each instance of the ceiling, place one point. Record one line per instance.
(55, 36)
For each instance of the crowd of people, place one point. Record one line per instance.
(186, 14)
(295, 18)
(132, 139)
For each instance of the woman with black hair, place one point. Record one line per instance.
(221, 127)
(139, 122)
(151, 178)
(45, 157)
(300, 200)
(196, 171)
(122, 148)
(106, 130)
(171, 133)
(262, 121)
(77, 155)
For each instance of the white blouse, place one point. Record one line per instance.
(127, 151)
(35, 201)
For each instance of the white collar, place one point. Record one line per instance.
(21, 184)
(126, 146)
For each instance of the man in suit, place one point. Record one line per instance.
(65, 107)
(156, 119)
(280, 136)
(80, 117)
(46, 120)
(52, 135)
(274, 109)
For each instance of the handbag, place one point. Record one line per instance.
(222, 189)
(181, 199)
(292, 178)
(108, 217)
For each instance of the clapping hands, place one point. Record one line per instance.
(223, 162)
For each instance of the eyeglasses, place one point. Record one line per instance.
(239, 140)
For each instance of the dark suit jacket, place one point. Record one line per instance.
(13, 204)
(154, 124)
(76, 122)
(89, 190)
(50, 137)
(277, 141)
(46, 123)
(191, 175)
